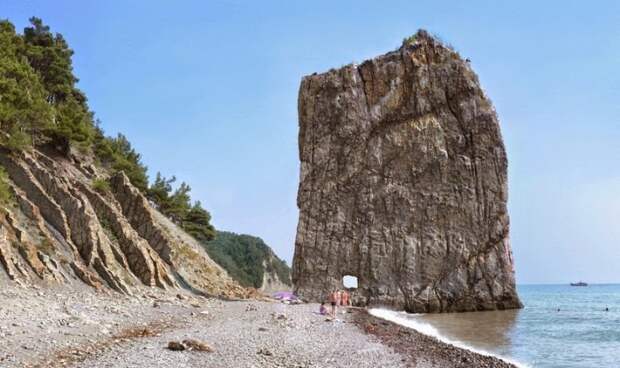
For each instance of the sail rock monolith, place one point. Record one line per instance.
(404, 184)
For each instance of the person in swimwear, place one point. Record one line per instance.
(345, 300)
(333, 300)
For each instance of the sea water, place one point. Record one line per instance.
(560, 326)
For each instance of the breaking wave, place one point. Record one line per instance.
(404, 319)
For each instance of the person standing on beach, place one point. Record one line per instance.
(345, 298)
(333, 300)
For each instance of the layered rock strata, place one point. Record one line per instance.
(60, 229)
(404, 184)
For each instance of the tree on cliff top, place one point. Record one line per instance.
(197, 222)
(50, 55)
(23, 108)
(176, 205)
(40, 103)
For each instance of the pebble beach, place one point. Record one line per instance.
(66, 327)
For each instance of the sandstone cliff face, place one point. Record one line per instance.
(60, 230)
(404, 184)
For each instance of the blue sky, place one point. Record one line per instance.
(207, 91)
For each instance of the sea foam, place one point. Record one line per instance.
(404, 319)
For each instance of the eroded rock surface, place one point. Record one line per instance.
(404, 184)
(60, 230)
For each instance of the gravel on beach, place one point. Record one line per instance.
(69, 327)
(421, 350)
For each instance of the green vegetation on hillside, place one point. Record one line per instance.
(6, 196)
(40, 104)
(100, 185)
(176, 205)
(118, 155)
(24, 108)
(410, 39)
(242, 256)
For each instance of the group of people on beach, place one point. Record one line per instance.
(337, 298)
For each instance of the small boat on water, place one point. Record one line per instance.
(580, 283)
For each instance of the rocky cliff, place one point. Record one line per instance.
(59, 229)
(404, 184)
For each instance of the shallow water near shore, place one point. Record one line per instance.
(581, 334)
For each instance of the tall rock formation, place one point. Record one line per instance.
(404, 184)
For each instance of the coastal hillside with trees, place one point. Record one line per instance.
(247, 258)
(41, 107)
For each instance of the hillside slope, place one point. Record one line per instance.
(72, 201)
(60, 229)
(249, 261)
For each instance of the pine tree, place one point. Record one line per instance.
(180, 203)
(23, 108)
(50, 56)
(118, 154)
(197, 222)
(159, 192)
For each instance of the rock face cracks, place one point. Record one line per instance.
(404, 184)
(59, 229)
